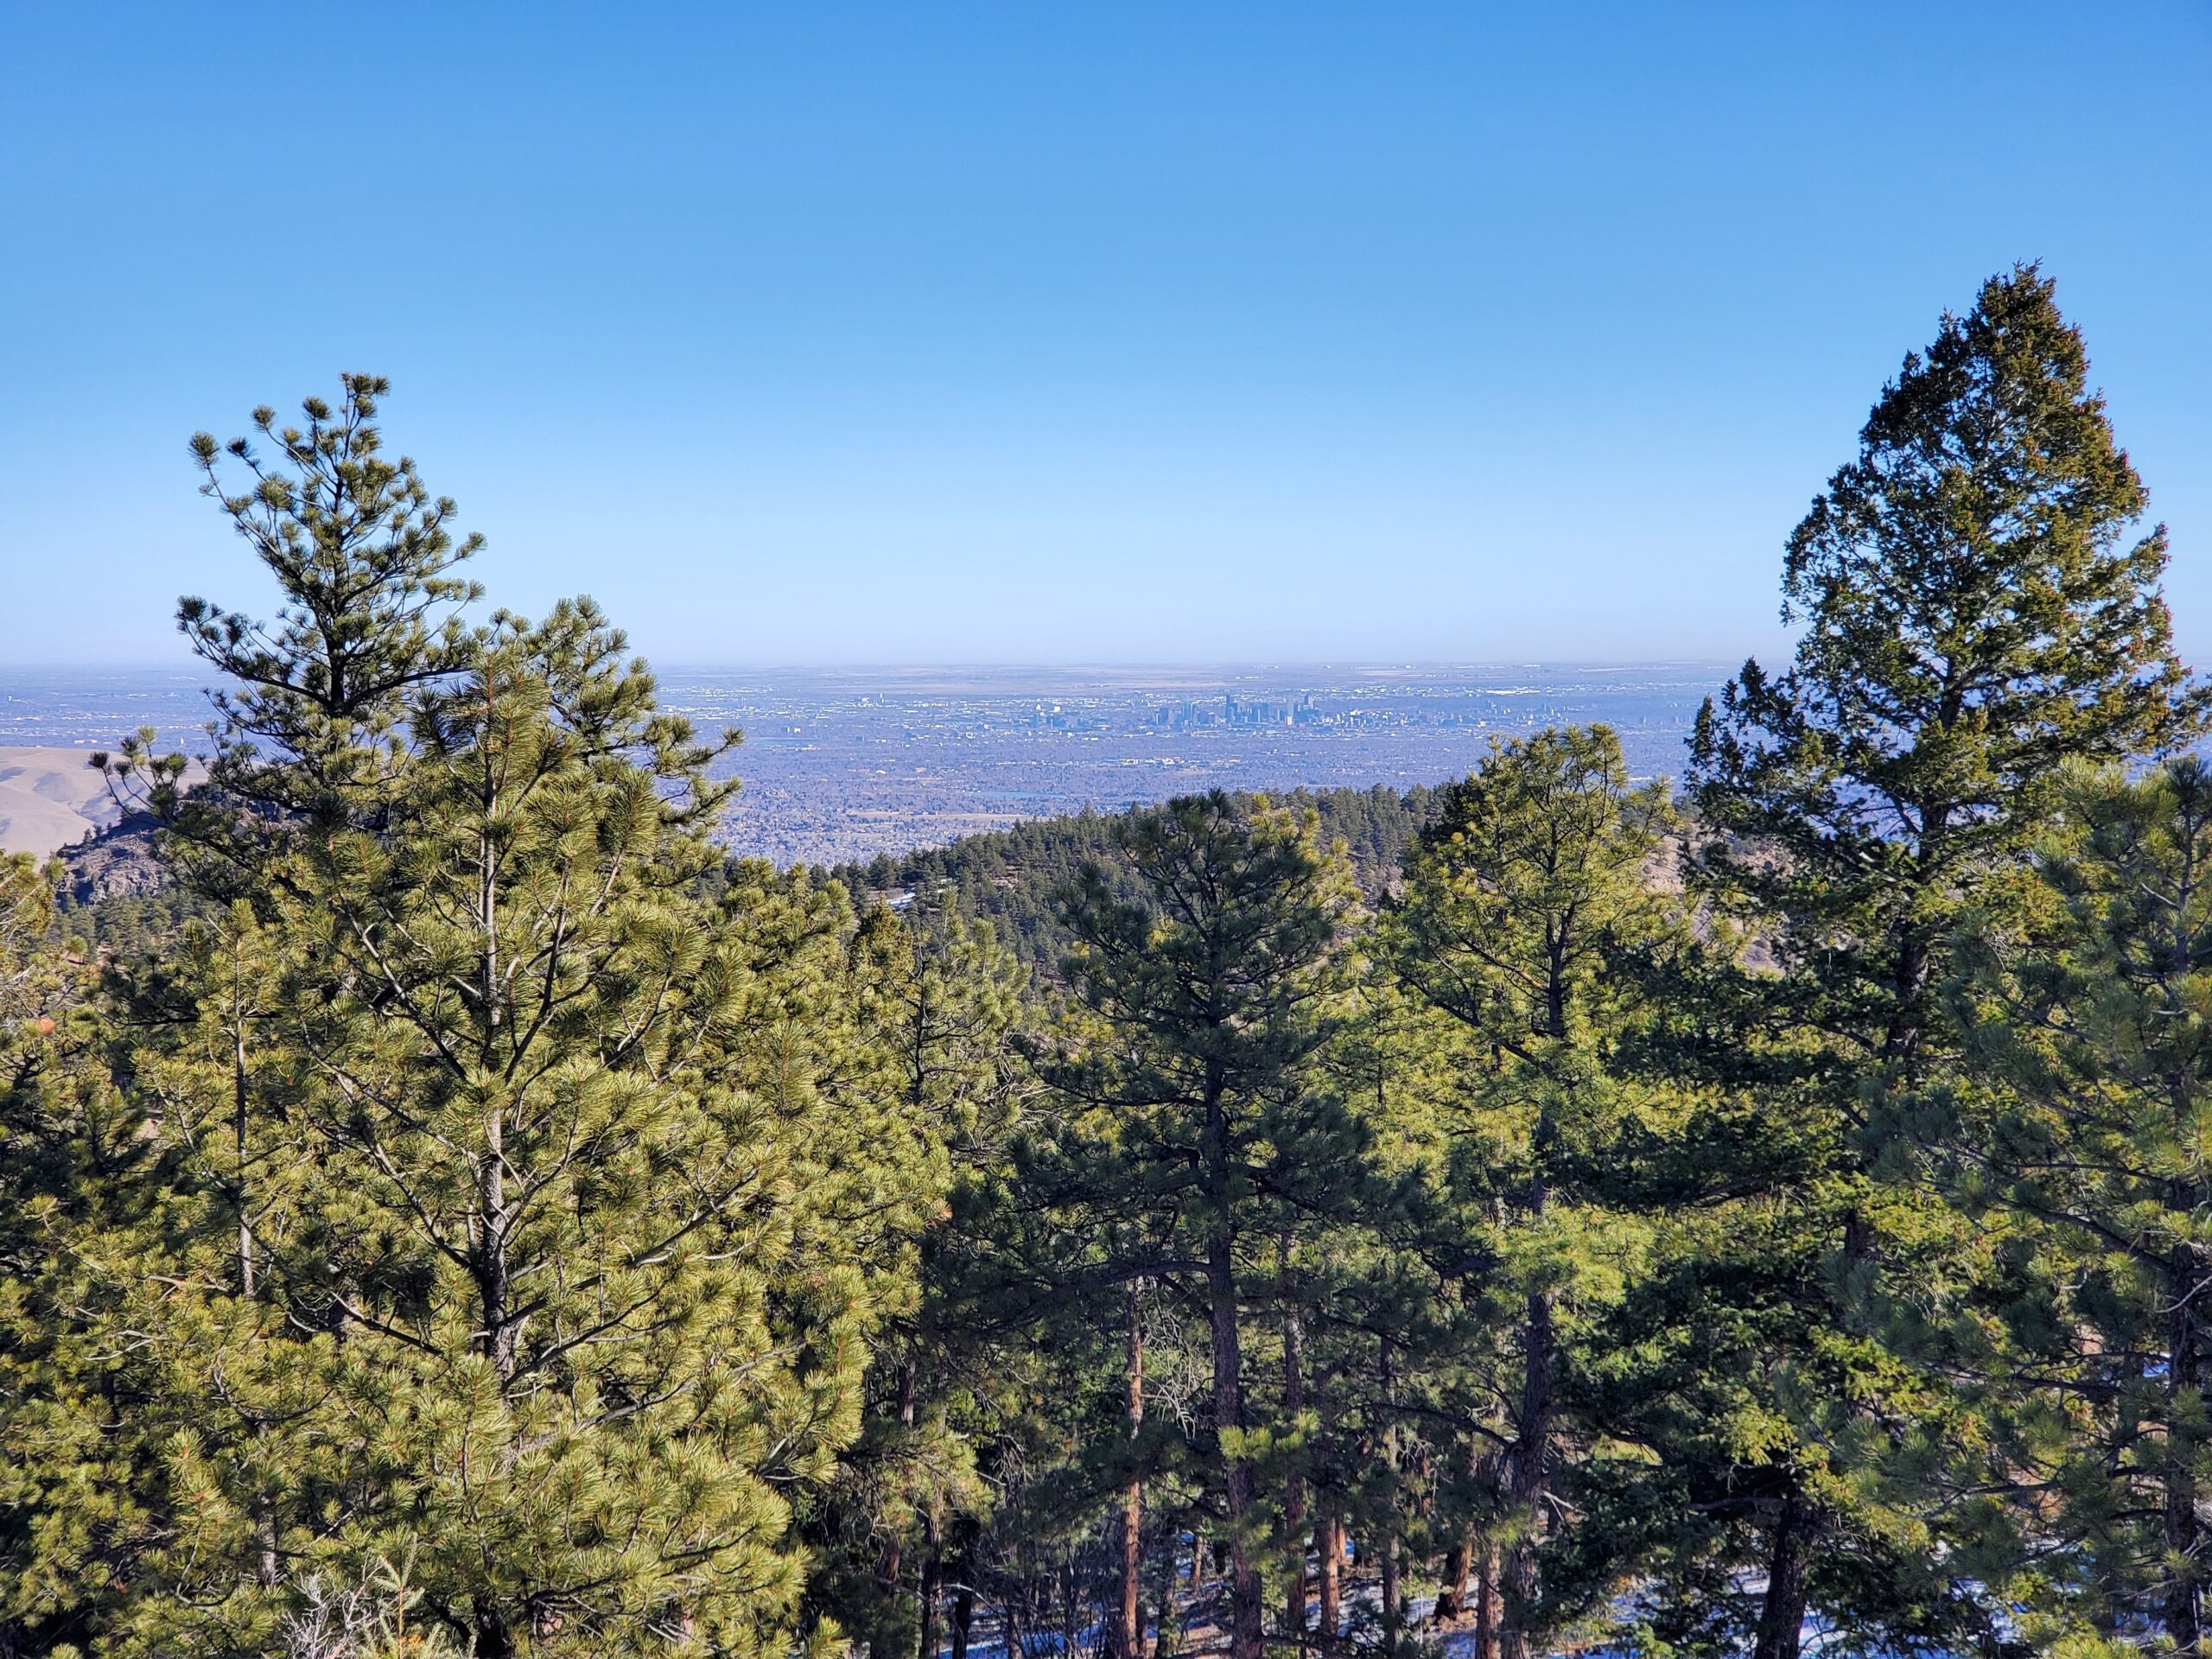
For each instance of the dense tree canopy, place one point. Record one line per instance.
(465, 1212)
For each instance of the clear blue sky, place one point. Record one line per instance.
(805, 333)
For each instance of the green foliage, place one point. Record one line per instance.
(70, 1167)
(2095, 1017)
(464, 1212)
(362, 558)
(508, 1216)
(590, 1251)
(1195, 1131)
(1012, 877)
(1974, 618)
(944, 1003)
(1534, 879)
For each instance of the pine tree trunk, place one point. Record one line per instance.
(1782, 1617)
(1126, 1640)
(1165, 1623)
(2184, 1377)
(264, 1521)
(1452, 1590)
(932, 1585)
(1329, 1544)
(1469, 1554)
(893, 1563)
(1393, 1592)
(1245, 1635)
(493, 1270)
(1531, 1456)
(1529, 1467)
(1903, 1036)
(964, 1619)
(1459, 1561)
(1244, 1632)
(239, 1125)
(1486, 1602)
(1293, 1499)
(1394, 1605)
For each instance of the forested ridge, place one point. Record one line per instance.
(463, 1211)
(1014, 878)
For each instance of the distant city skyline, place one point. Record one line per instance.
(847, 763)
(1145, 335)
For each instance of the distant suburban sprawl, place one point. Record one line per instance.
(840, 765)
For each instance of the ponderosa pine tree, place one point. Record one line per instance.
(54, 1569)
(79, 1187)
(525, 1209)
(1393, 1318)
(2096, 1016)
(1052, 1277)
(315, 704)
(498, 1224)
(581, 1275)
(1975, 615)
(943, 1001)
(1536, 870)
(1206, 967)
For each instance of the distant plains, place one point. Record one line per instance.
(48, 798)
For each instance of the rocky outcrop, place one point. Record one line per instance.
(114, 862)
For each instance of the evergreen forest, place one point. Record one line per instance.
(1763, 1211)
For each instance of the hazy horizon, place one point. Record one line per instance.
(845, 763)
(149, 665)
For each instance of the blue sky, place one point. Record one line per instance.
(1026, 333)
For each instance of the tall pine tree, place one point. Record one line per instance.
(2095, 1015)
(1535, 870)
(1976, 613)
(1206, 965)
(531, 1189)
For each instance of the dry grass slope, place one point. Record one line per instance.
(48, 798)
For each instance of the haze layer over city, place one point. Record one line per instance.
(844, 764)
